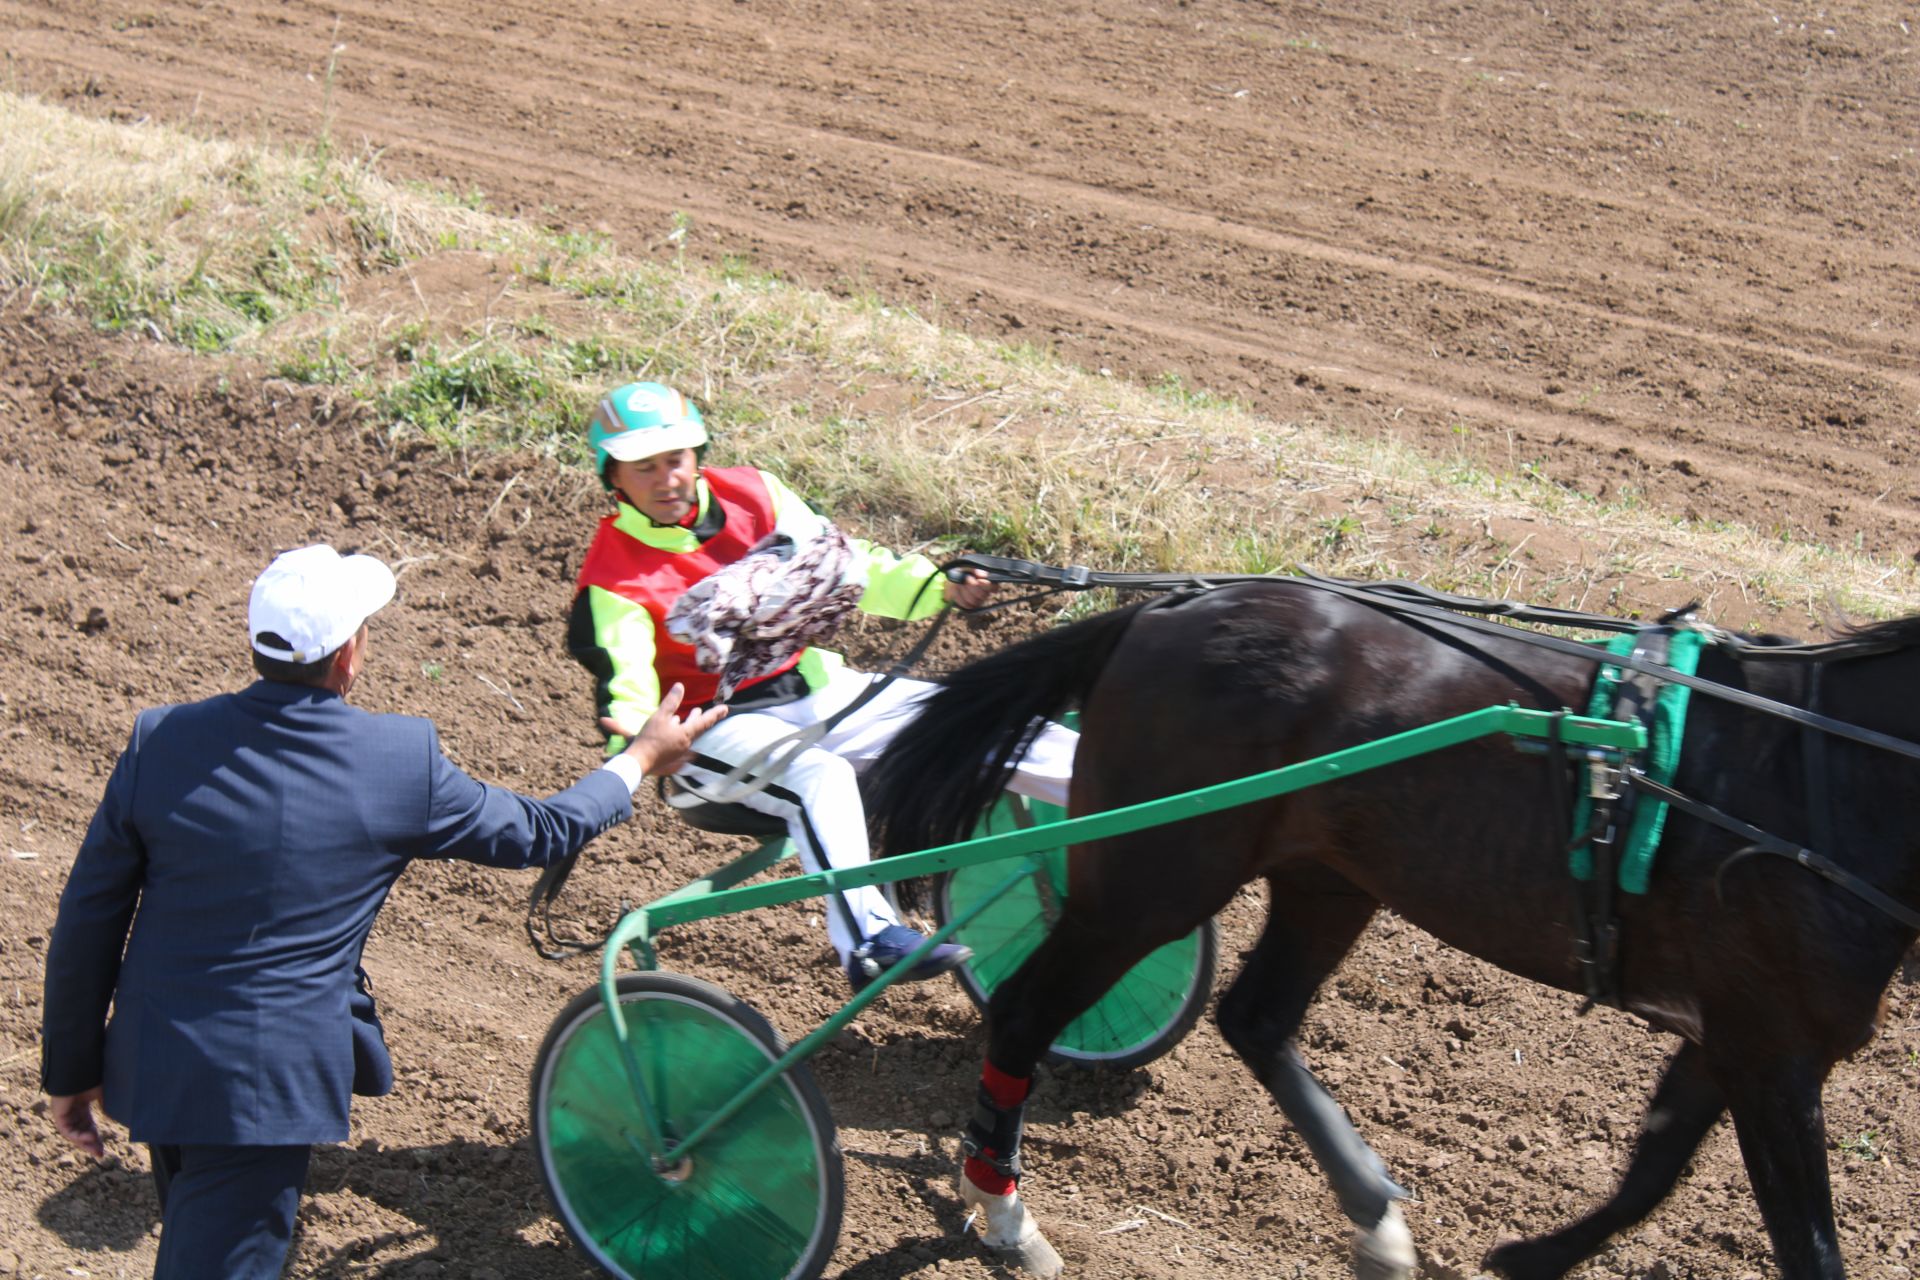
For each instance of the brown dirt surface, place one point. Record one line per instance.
(1659, 250)
(1655, 249)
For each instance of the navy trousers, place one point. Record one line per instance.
(226, 1213)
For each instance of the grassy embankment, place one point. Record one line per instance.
(480, 331)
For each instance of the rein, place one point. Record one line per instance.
(1414, 600)
(1417, 601)
(759, 770)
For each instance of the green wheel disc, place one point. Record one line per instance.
(1144, 1015)
(761, 1196)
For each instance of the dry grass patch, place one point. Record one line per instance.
(476, 330)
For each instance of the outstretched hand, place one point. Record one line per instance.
(73, 1116)
(664, 742)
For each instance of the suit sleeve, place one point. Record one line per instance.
(89, 936)
(474, 822)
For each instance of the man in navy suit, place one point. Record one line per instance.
(257, 834)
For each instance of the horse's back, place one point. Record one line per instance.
(1264, 663)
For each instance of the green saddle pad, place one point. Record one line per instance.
(1666, 724)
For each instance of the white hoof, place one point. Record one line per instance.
(1011, 1233)
(1385, 1252)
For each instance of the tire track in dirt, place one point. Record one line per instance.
(1415, 271)
(813, 152)
(1349, 364)
(474, 150)
(1319, 364)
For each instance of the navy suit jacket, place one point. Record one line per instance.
(257, 834)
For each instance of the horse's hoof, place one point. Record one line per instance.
(1035, 1257)
(1529, 1260)
(1385, 1252)
(1011, 1233)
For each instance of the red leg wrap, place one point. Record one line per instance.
(986, 1177)
(1008, 1091)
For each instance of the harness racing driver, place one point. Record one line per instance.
(676, 523)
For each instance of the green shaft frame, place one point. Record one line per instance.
(714, 895)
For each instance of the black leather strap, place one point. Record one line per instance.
(1763, 842)
(1416, 601)
(1593, 654)
(1472, 614)
(993, 1134)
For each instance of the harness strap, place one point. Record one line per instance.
(1764, 842)
(1560, 767)
(993, 1134)
(1813, 757)
(1608, 812)
(1423, 602)
(1417, 601)
(760, 769)
(540, 908)
(1080, 578)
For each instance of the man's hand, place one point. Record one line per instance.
(73, 1117)
(972, 590)
(664, 742)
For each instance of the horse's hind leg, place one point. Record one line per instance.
(1313, 920)
(1070, 970)
(1684, 1108)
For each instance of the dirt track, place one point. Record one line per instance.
(1667, 250)
(1660, 248)
(1663, 248)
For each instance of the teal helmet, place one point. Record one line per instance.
(641, 419)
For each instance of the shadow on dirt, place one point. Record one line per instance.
(445, 1192)
(928, 1179)
(110, 1205)
(932, 1080)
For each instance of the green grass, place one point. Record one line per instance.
(1866, 1145)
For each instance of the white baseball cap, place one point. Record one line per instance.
(315, 599)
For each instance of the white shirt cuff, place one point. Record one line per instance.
(627, 769)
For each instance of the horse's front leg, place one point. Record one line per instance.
(1782, 1128)
(1312, 921)
(1683, 1110)
(1068, 972)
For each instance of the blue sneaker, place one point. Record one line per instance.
(895, 943)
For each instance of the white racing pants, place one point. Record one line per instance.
(818, 796)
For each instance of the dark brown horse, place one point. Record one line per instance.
(1768, 973)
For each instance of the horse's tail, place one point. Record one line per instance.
(935, 780)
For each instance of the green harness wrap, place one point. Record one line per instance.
(1666, 724)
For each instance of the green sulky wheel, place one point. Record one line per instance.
(1145, 1014)
(760, 1196)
